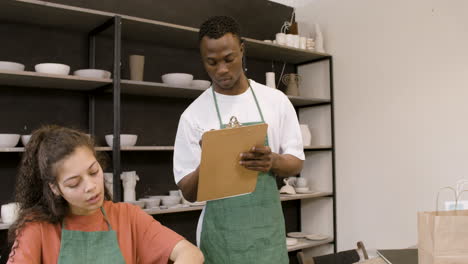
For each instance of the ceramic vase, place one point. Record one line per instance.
(318, 39)
(292, 84)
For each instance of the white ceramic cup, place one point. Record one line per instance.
(9, 212)
(303, 42)
(270, 79)
(281, 38)
(290, 40)
(296, 41)
(301, 182)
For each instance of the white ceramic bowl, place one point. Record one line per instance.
(52, 68)
(151, 203)
(170, 200)
(140, 204)
(93, 73)
(25, 139)
(126, 140)
(11, 66)
(201, 84)
(177, 79)
(9, 212)
(9, 140)
(174, 193)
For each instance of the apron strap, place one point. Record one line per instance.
(219, 114)
(105, 219)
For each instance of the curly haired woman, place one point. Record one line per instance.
(66, 217)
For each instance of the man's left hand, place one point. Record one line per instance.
(258, 159)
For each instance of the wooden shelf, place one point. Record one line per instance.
(284, 197)
(263, 50)
(48, 14)
(290, 197)
(11, 149)
(139, 148)
(4, 226)
(305, 243)
(158, 89)
(71, 82)
(41, 80)
(318, 148)
(173, 210)
(307, 101)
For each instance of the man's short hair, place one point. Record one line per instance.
(218, 26)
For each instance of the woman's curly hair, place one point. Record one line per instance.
(48, 146)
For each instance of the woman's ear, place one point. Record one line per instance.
(54, 188)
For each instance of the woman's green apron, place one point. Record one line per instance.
(100, 247)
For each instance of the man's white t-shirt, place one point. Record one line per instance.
(284, 135)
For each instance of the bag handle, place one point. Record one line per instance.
(457, 191)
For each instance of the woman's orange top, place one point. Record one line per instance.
(141, 238)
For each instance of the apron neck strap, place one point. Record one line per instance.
(105, 219)
(219, 114)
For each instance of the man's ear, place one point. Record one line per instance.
(54, 188)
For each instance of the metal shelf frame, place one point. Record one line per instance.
(331, 148)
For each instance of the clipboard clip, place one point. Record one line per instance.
(233, 123)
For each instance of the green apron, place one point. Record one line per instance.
(248, 228)
(100, 247)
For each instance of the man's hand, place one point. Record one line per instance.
(258, 159)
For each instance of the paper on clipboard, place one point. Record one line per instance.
(220, 174)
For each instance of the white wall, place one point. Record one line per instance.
(401, 110)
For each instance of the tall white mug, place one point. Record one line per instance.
(281, 38)
(270, 79)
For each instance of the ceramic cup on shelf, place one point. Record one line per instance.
(281, 38)
(303, 42)
(9, 212)
(301, 182)
(270, 79)
(137, 66)
(290, 40)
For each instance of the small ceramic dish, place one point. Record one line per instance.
(297, 234)
(291, 241)
(316, 237)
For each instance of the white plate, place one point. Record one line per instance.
(316, 237)
(307, 192)
(297, 234)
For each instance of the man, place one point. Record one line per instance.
(248, 228)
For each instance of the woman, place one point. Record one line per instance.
(66, 217)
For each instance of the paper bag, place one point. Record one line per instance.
(443, 237)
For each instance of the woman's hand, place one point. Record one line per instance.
(185, 252)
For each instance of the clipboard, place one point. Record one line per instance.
(221, 175)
